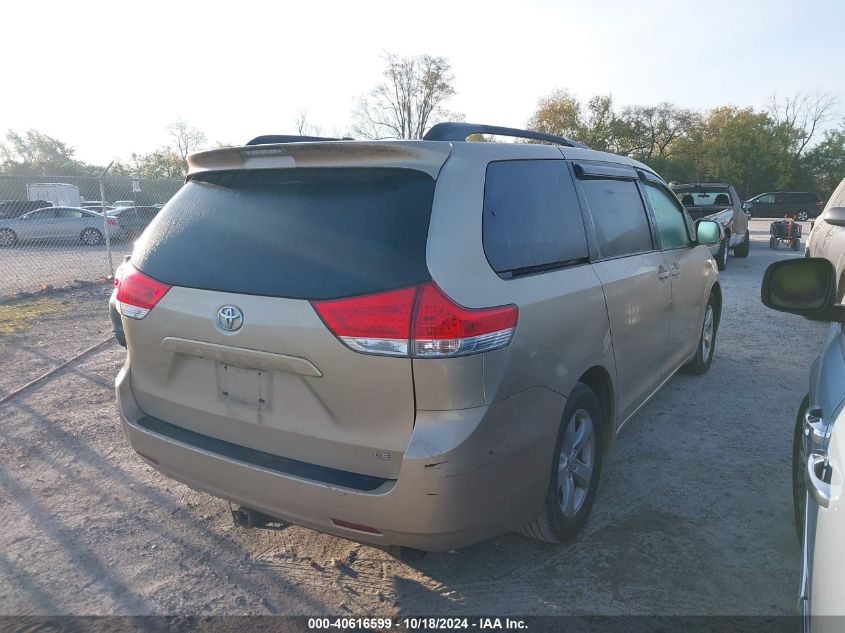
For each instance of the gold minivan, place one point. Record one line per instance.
(421, 343)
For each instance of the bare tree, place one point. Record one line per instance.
(408, 101)
(303, 127)
(804, 112)
(188, 139)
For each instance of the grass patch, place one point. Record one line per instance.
(17, 316)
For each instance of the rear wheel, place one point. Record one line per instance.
(773, 242)
(706, 342)
(576, 468)
(802, 216)
(90, 236)
(796, 245)
(722, 255)
(8, 237)
(741, 249)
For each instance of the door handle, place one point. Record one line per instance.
(663, 273)
(675, 270)
(816, 430)
(817, 487)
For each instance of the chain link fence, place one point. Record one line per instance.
(54, 232)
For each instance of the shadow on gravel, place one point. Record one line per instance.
(173, 523)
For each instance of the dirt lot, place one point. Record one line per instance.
(693, 517)
(27, 267)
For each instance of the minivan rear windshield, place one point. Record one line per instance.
(303, 233)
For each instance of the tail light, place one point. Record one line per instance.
(420, 321)
(111, 221)
(118, 273)
(818, 204)
(137, 294)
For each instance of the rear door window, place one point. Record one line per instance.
(532, 218)
(303, 233)
(619, 216)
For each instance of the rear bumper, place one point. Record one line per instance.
(466, 475)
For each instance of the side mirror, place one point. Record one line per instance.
(835, 216)
(746, 206)
(805, 286)
(709, 232)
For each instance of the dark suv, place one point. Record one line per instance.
(10, 209)
(775, 204)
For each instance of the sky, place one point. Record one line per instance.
(107, 77)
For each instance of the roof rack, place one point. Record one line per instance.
(268, 139)
(460, 132)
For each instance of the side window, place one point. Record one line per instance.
(766, 199)
(619, 216)
(669, 217)
(532, 217)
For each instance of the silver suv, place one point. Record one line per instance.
(419, 343)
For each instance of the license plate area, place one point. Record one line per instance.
(243, 386)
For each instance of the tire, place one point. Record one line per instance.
(722, 255)
(554, 524)
(8, 238)
(799, 460)
(802, 216)
(773, 242)
(741, 249)
(706, 341)
(796, 245)
(91, 237)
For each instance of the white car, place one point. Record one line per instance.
(807, 287)
(827, 237)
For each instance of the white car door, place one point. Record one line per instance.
(826, 547)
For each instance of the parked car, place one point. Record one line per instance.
(827, 237)
(133, 220)
(718, 201)
(409, 343)
(96, 206)
(57, 223)
(776, 204)
(807, 287)
(16, 208)
(123, 203)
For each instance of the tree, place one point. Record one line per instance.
(825, 163)
(303, 127)
(161, 163)
(409, 101)
(802, 115)
(596, 123)
(37, 154)
(187, 139)
(654, 129)
(559, 113)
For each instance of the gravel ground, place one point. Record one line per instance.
(693, 515)
(28, 267)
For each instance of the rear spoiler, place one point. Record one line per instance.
(427, 156)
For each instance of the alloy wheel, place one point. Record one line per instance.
(576, 463)
(707, 334)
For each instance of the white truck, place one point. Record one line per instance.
(60, 194)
